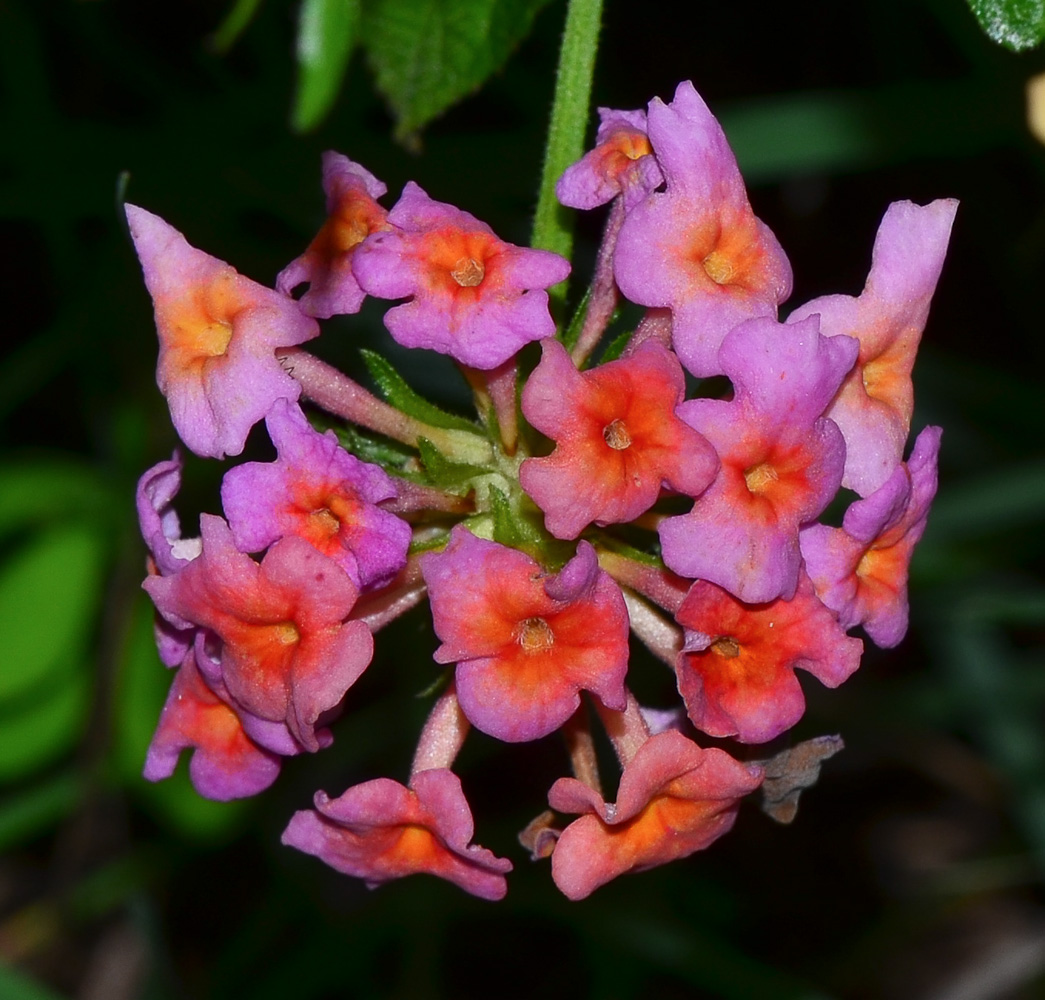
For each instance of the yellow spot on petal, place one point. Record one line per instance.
(719, 267)
(468, 272)
(616, 435)
(287, 633)
(760, 477)
(325, 524)
(727, 647)
(535, 635)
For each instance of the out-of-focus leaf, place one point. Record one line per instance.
(793, 770)
(48, 594)
(18, 986)
(1016, 24)
(235, 22)
(396, 390)
(140, 694)
(28, 811)
(327, 32)
(36, 730)
(427, 54)
(46, 491)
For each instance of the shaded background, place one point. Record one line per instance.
(913, 869)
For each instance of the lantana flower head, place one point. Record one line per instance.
(525, 642)
(472, 295)
(674, 799)
(381, 830)
(617, 438)
(736, 672)
(352, 214)
(696, 248)
(860, 569)
(622, 162)
(218, 332)
(288, 652)
(781, 461)
(874, 405)
(321, 493)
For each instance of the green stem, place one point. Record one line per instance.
(553, 224)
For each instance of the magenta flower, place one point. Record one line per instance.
(380, 830)
(525, 642)
(472, 296)
(288, 653)
(674, 799)
(696, 248)
(736, 672)
(781, 461)
(621, 163)
(617, 438)
(218, 332)
(874, 405)
(318, 491)
(352, 215)
(226, 763)
(860, 569)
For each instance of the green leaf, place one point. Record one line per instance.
(384, 452)
(327, 33)
(49, 591)
(444, 474)
(615, 348)
(38, 730)
(395, 389)
(573, 329)
(26, 813)
(1016, 24)
(510, 527)
(16, 985)
(48, 490)
(428, 54)
(235, 23)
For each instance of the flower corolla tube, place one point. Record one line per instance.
(594, 494)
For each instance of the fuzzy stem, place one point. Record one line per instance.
(497, 389)
(443, 735)
(552, 224)
(603, 299)
(627, 730)
(654, 325)
(661, 637)
(382, 606)
(581, 747)
(660, 585)
(338, 394)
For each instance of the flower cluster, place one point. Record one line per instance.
(587, 501)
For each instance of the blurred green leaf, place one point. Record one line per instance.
(38, 729)
(28, 811)
(396, 390)
(49, 591)
(45, 491)
(235, 23)
(16, 985)
(427, 54)
(327, 32)
(1016, 24)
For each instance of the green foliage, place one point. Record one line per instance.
(396, 390)
(327, 33)
(444, 474)
(1016, 24)
(615, 348)
(428, 54)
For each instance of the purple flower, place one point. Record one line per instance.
(472, 296)
(696, 248)
(317, 490)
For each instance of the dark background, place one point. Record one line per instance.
(913, 869)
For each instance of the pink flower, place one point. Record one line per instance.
(696, 248)
(874, 405)
(860, 569)
(226, 763)
(674, 799)
(380, 830)
(320, 492)
(525, 642)
(736, 672)
(621, 163)
(218, 332)
(352, 215)
(781, 461)
(617, 438)
(288, 653)
(471, 295)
